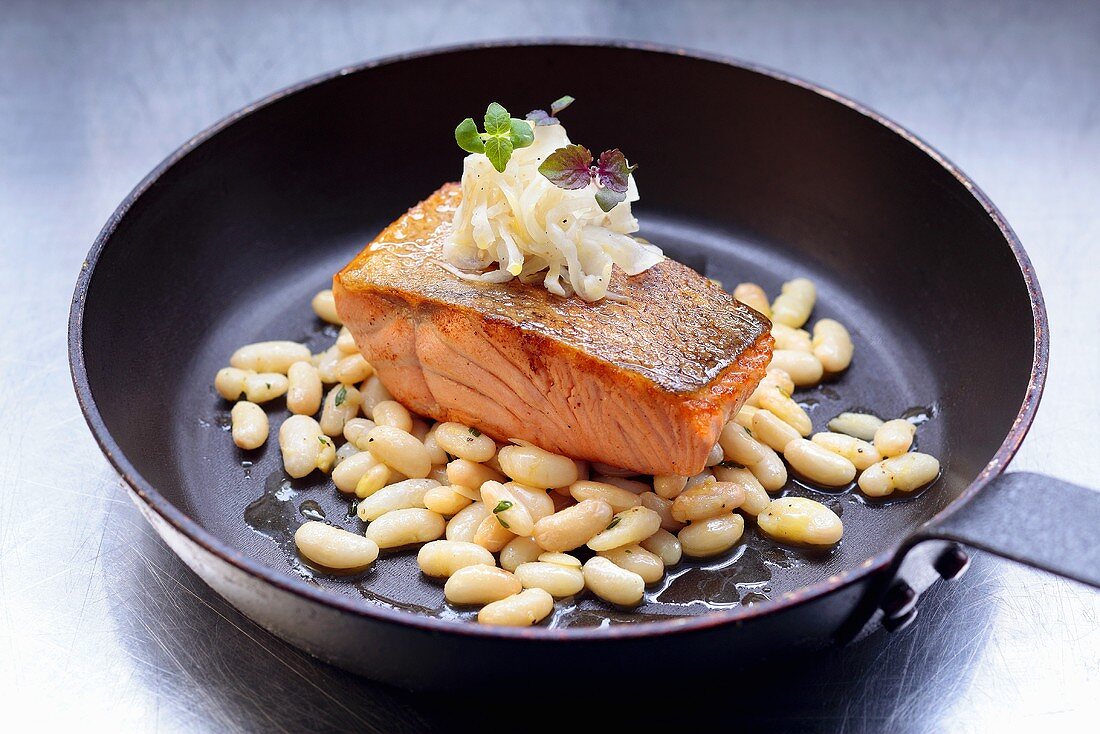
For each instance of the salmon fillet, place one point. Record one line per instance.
(645, 385)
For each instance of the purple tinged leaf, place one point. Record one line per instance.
(607, 199)
(539, 117)
(568, 167)
(561, 104)
(613, 171)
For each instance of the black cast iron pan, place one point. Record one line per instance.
(746, 175)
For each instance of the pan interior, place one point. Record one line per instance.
(228, 246)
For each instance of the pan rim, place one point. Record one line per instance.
(144, 490)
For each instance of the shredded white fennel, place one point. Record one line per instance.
(519, 224)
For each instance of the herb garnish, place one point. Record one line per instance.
(571, 167)
(502, 506)
(540, 117)
(341, 396)
(474, 432)
(503, 134)
(614, 522)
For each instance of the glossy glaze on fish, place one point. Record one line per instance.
(645, 385)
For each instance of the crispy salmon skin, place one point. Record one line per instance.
(645, 385)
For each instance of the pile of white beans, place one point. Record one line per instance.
(500, 522)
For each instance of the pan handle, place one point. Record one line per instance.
(1033, 519)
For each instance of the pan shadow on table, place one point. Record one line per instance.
(212, 659)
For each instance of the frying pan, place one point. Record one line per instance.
(746, 174)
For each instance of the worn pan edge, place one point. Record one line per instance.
(144, 490)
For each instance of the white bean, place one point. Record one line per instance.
(464, 525)
(399, 450)
(341, 405)
(893, 438)
(374, 392)
(755, 497)
(464, 442)
(441, 558)
(633, 486)
(774, 379)
(663, 508)
(860, 425)
(769, 429)
(537, 468)
(373, 479)
(788, 338)
(804, 368)
(832, 345)
(491, 534)
(229, 382)
(344, 452)
(249, 425)
(574, 526)
(348, 472)
(445, 500)
(665, 545)
(668, 486)
(754, 297)
(800, 520)
(405, 527)
(326, 362)
(818, 464)
(345, 342)
(739, 446)
(352, 368)
(771, 472)
(435, 453)
(561, 559)
(701, 478)
(393, 413)
(327, 456)
(402, 495)
(706, 538)
(860, 453)
(787, 411)
(301, 443)
(612, 583)
(304, 389)
(509, 510)
(471, 474)
(521, 610)
(519, 551)
(637, 559)
(905, 473)
(537, 501)
(794, 303)
(709, 499)
(715, 456)
(264, 386)
(629, 526)
(333, 547)
(480, 584)
(556, 580)
(357, 428)
(743, 416)
(324, 305)
(276, 356)
(619, 498)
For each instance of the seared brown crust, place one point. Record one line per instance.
(678, 357)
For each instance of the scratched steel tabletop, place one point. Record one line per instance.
(102, 628)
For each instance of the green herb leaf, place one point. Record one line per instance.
(521, 133)
(475, 432)
(497, 120)
(569, 167)
(499, 150)
(613, 171)
(614, 522)
(561, 104)
(468, 138)
(502, 506)
(607, 199)
(503, 524)
(341, 396)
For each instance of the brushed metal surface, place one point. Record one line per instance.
(102, 627)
